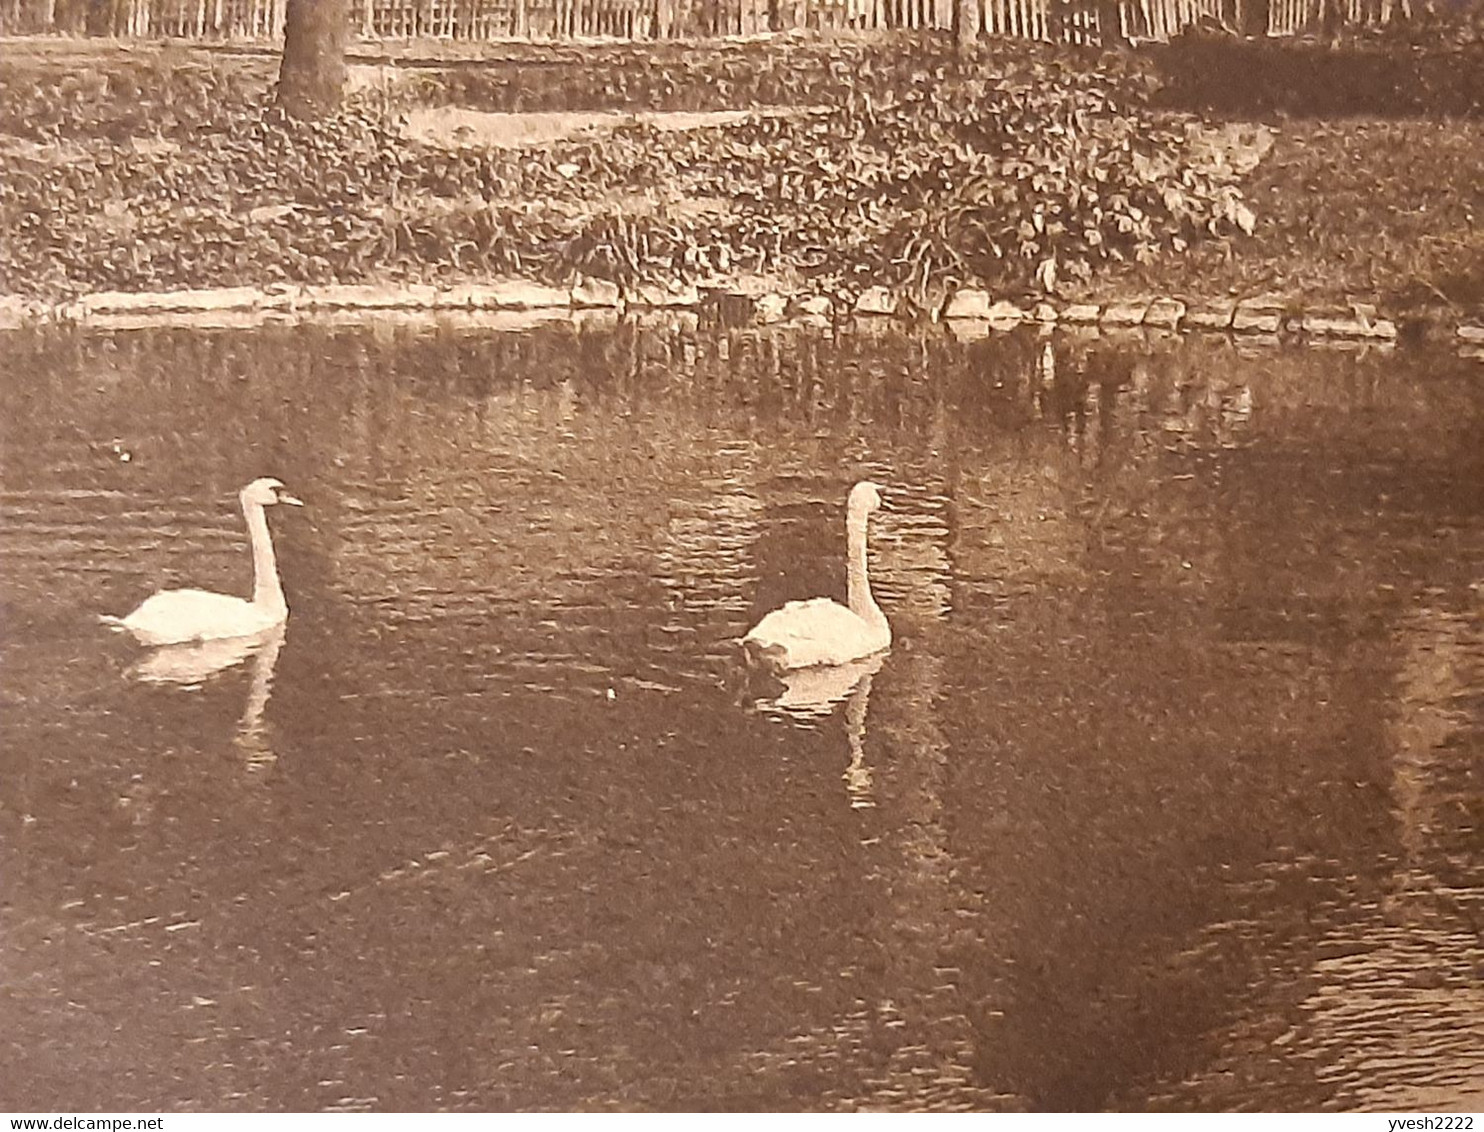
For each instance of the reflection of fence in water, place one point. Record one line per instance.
(1066, 20)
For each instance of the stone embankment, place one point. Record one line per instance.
(969, 311)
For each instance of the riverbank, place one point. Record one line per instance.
(513, 304)
(879, 176)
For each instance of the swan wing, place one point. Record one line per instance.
(802, 634)
(175, 616)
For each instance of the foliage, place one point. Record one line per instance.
(1383, 74)
(1010, 180)
(720, 75)
(53, 101)
(1020, 174)
(1391, 210)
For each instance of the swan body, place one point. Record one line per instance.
(806, 634)
(174, 617)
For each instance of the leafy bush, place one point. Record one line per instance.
(723, 75)
(1019, 171)
(44, 101)
(1380, 75)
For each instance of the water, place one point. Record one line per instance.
(1168, 795)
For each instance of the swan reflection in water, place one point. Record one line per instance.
(191, 664)
(812, 693)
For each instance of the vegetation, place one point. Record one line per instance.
(1351, 209)
(1027, 169)
(1050, 166)
(1381, 76)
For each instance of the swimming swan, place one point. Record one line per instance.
(807, 633)
(172, 617)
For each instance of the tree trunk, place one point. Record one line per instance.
(1255, 17)
(100, 17)
(312, 75)
(1110, 24)
(1332, 18)
(72, 16)
(965, 26)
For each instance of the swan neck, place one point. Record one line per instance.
(859, 598)
(267, 590)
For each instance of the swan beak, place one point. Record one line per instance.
(290, 500)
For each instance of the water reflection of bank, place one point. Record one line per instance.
(1385, 973)
(1128, 741)
(1281, 630)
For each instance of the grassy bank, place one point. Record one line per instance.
(1032, 170)
(1392, 209)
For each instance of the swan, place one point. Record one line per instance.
(173, 617)
(803, 634)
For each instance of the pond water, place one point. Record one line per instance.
(1168, 795)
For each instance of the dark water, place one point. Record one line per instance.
(1168, 796)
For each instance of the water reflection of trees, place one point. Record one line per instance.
(1248, 613)
(1383, 974)
(1133, 687)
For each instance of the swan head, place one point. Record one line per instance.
(865, 497)
(266, 492)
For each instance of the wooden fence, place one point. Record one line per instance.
(1292, 17)
(1073, 20)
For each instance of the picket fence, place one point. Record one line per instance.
(1068, 20)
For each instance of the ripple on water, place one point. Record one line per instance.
(1167, 795)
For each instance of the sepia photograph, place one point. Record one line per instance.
(741, 556)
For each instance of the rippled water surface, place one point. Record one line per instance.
(1168, 795)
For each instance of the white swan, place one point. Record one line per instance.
(172, 617)
(803, 634)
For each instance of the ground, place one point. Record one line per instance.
(1357, 207)
(832, 164)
